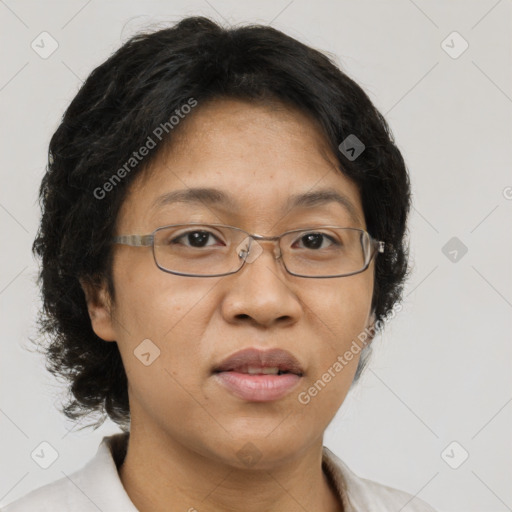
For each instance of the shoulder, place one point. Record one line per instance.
(53, 496)
(96, 486)
(359, 494)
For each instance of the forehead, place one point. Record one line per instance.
(246, 159)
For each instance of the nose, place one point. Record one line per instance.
(261, 292)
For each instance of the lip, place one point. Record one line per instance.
(232, 374)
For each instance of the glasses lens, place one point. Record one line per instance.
(325, 251)
(198, 249)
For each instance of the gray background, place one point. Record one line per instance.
(442, 369)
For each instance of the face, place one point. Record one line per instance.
(260, 157)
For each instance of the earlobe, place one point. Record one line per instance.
(99, 308)
(373, 316)
(370, 327)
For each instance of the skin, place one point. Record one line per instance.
(186, 429)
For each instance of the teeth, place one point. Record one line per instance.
(254, 370)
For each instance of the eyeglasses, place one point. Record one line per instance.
(211, 250)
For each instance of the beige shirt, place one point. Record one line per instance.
(97, 487)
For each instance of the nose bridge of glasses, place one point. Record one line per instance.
(250, 248)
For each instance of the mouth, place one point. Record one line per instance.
(259, 376)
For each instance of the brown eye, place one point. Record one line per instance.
(315, 241)
(197, 239)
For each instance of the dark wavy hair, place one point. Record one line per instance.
(138, 88)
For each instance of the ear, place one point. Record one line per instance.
(370, 327)
(99, 307)
(372, 319)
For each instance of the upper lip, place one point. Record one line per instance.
(279, 358)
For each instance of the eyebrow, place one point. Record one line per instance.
(321, 197)
(213, 196)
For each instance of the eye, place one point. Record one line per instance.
(196, 238)
(316, 240)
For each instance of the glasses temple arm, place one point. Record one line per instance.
(134, 240)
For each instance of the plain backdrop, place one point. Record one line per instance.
(439, 385)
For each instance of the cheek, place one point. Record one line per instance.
(152, 303)
(343, 311)
(159, 326)
(159, 320)
(340, 315)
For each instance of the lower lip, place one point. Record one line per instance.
(258, 388)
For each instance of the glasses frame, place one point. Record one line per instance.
(376, 246)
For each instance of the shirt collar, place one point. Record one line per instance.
(101, 483)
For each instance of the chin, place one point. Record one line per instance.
(261, 447)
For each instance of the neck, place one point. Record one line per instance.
(158, 472)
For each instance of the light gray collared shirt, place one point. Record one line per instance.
(97, 487)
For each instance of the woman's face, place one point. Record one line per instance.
(258, 158)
